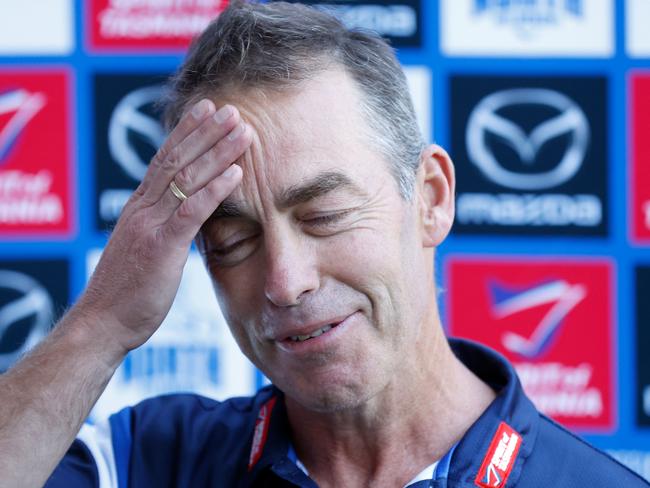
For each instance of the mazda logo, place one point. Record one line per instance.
(486, 118)
(26, 313)
(133, 119)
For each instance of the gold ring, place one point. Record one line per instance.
(178, 193)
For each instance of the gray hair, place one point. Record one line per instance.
(278, 45)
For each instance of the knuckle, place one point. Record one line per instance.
(167, 159)
(138, 193)
(160, 156)
(184, 178)
(173, 159)
(185, 211)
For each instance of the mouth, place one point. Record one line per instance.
(316, 333)
(316, 336)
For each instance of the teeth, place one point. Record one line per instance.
(301, 338)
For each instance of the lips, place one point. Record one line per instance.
(303, 333)
(318, 332)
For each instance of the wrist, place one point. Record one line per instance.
(92, 334)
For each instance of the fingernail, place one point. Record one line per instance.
(222, 114)
(231, 171)
(200, 109)
(236, 132)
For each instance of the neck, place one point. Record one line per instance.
(407, 426)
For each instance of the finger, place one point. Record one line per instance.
(173, 157)
(213, 162)
(197, 131)
(188, 122)
(208, 166)
(185, 223)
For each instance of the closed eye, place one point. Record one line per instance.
(223, 250)
(231, 251)
(325, 219)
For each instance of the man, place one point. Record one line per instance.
(296, 162)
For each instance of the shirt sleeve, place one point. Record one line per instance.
(99, 457)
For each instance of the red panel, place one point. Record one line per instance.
(145, 25)
(553, 320)
(35, 163)
(640, 175)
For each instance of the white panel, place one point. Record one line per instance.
(637, 31)
(527, 28)
(180, 356)
(98, 440)
(419, 82)
(36, 27)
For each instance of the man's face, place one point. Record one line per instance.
(317, 260)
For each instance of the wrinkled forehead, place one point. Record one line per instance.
(315, 127)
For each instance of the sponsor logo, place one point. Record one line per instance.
(261, 432)
(131, 118)
(22, 106)
(396, 20)
(529, 156)
(640, 157)
(524, 17)
(562, 297)
(27, 304)
(532, 27)
(149, 24)
(36, 28)
(500, 458)
(637, 13)
(32, 305)
(128, 133)
(538, 313)
(486, 118)
(642, 278)
(510, 209)
(34, 153)
(192, 350)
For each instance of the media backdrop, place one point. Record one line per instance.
(544, 106)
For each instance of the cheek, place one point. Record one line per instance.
(232, 313)
(237, 295)
(237, 287)
(369, 261)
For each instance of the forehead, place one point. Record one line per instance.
(298, 133)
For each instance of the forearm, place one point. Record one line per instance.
(46, 397)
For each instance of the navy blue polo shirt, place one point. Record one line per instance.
(191, 441)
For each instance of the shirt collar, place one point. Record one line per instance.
(464, 461)
(511, 406)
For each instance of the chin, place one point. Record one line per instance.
(329, 397)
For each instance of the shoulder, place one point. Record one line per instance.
(560, 455)
(164, 441)
(175, 431)
(184, 413)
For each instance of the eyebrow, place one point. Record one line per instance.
(227, 208)
(317, 186)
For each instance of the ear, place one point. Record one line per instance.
(436, 184)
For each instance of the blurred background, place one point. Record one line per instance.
(544, 106)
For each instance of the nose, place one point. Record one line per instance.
(291, 269)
